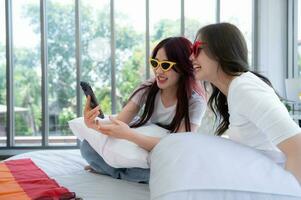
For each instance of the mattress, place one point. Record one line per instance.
(246, 174)
(67, 168)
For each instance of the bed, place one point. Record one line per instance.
(180, 169)
(67, 168)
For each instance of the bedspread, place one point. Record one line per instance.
(22, 179)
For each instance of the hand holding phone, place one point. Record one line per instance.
(88, 91)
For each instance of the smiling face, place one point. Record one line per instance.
(168, 79)
(205, 68)
(224, 54)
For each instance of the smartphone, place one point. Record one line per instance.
(88, 91)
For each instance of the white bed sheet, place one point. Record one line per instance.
(67, 168)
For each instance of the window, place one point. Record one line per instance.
(131, 49)
(26, 73)
(198, 13)
(2, 76)
(164, 19)
(61, 67)
(96, 50)
(241, 17)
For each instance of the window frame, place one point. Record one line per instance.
(292, 70)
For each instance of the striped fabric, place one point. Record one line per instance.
(23, 180)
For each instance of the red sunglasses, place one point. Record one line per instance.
(197, 47)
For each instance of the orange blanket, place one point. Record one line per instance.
(23, 180)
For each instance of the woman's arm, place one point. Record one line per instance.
(126, 115)
(146, 142)
(291, 147)
(193, 127)
(128, 112)
(121, 130)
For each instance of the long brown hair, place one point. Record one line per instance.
(178, 49)
(226, 44)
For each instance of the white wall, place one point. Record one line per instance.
(272, 41)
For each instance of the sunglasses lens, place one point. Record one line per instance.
(195, 49)
(154, 63)
(165, 65)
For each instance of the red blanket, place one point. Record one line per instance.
(23, 180)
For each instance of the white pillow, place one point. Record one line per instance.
(117, 153)
(196, 163)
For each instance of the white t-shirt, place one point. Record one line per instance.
(257, 117)
(164, 115)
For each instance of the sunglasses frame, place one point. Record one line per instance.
(197, 45)
(171, 64)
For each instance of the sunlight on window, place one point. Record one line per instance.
(96, 50)
(24, 25)
(27, 70)
(61, 67)
(130, 48)
(164, 19)
(95, 33)
(241, 17)
(198, 13)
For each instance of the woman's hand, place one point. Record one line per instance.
(116, 129)
(121, 130)
(90, 114)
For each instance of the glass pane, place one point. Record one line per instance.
(198, 13)
(2, 76)
(299, 37)
(61, 70)
(130, 47)
(164, 19)
(241, 17)
(27, 72)
(96, 50)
